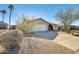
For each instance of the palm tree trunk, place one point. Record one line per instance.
(3, 18)
(9, 27)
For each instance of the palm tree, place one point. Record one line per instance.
(3, 12)
(11, 7)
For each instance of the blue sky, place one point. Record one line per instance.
(45, 11)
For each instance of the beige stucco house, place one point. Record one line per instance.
(44, 26)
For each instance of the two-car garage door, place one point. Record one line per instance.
(42, 27)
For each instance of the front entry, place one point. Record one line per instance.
(50, 27)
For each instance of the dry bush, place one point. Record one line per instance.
(11, 39)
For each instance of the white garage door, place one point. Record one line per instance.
(39, 28)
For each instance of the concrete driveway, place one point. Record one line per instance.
(68, 40)
(46, 34)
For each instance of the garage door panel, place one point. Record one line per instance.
(39, 28)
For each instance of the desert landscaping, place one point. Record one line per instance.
(36, 35)
(13, 42)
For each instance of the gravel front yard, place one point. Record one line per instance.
(38, 45)
(34, 45)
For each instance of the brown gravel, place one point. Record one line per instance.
(42, 46)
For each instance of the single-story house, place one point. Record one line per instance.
(44, 25)
(3, 25)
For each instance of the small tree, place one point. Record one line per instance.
(25, 24)
(66, 17)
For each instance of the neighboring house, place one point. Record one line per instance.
(43, 25)
(3, 25)
(13, 27)
(73, 27)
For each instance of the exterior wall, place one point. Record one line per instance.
(47, 26)
(55, 27)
